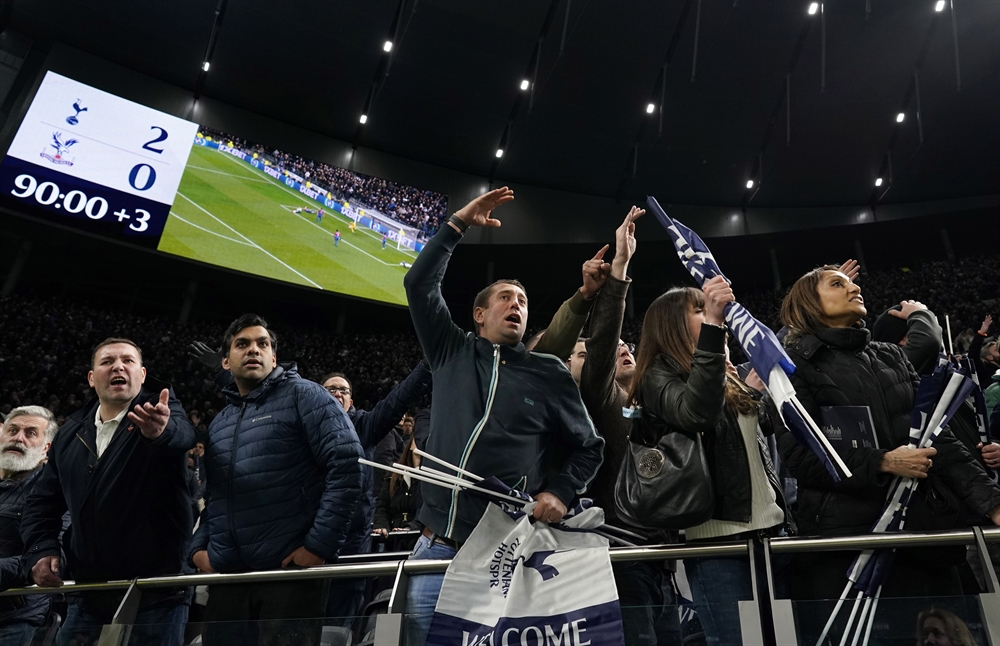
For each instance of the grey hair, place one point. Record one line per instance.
(36, 411)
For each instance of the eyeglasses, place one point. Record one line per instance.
(334, 390)
(628, 346)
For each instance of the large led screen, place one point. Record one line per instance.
(91, 160)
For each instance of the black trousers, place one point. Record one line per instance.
(266, 614)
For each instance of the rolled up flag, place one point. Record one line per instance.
(759, 343)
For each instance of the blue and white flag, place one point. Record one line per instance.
(516, 581)
(759, 343)
(938, 398)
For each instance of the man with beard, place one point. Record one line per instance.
(283, 482)
(119, 467)
(27, 435)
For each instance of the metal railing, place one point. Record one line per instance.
(389, 626)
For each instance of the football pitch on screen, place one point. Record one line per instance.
(229, 214)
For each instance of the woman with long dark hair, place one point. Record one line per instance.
(839, 366)
(682, 384)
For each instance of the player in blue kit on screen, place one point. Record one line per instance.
(336, 238)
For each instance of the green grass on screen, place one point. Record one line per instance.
(229, 214)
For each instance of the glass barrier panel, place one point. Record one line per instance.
(896, 622)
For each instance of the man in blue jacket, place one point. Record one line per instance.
(27, 435)
(283, 482)
(499, 410)
(119, 466)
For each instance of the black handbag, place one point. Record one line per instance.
(667, 485)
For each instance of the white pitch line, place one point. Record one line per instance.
(247, 244)
(312, 222)
(311, 202)
(252, 243)
(222, 172)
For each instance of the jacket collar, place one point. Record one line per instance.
(281, 372)
(852, 339)
(508, 351)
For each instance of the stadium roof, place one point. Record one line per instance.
(449, 92)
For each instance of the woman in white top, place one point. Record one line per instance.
(683, 385)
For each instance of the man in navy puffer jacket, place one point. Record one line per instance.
(283, 482)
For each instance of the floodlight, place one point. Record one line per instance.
(878, 182)
(900, 117)
(650, 108)
(364, 118)
(939, 7)
(813, 8)
(525, 84)
(388, 46)
(749, 183)
(499, 153)
(204, 66)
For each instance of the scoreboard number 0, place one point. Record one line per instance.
(134, 177)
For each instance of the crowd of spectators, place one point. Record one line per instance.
(45, 350)
(45, 355)
(419, 209)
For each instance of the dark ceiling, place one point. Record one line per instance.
(449, 88)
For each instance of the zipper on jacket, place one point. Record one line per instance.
(494, 378)
(232, 471)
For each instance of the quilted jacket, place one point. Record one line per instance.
(283, 473)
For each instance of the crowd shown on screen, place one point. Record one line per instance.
(422, 210)
(256, 446)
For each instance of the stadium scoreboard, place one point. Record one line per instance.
(95, 161)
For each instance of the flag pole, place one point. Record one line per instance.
(833, 615)
(850, 620)
(947, 322)
(425, 454)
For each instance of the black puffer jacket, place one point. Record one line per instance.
(399, 509)
(840, 367)
(695, 402)
(33, 608)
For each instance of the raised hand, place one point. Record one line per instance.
(205, 354)
(984, 329)
(625, 243)
(851, 269)
(718, 294)
(595, 272)
(152, 420)
(479, 211)
(909, 307)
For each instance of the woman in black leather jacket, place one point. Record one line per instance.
(683, 385)
(399, 500)
(838, 365)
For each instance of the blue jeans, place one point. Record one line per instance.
(17, 634)
(153, 627)
(423, 592)
(717, 584)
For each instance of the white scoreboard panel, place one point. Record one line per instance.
(96, 161)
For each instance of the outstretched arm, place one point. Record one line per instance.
(439, 337)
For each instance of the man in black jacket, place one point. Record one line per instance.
(119, 466)
(27, 435)
(498, 411)
(346, 595)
